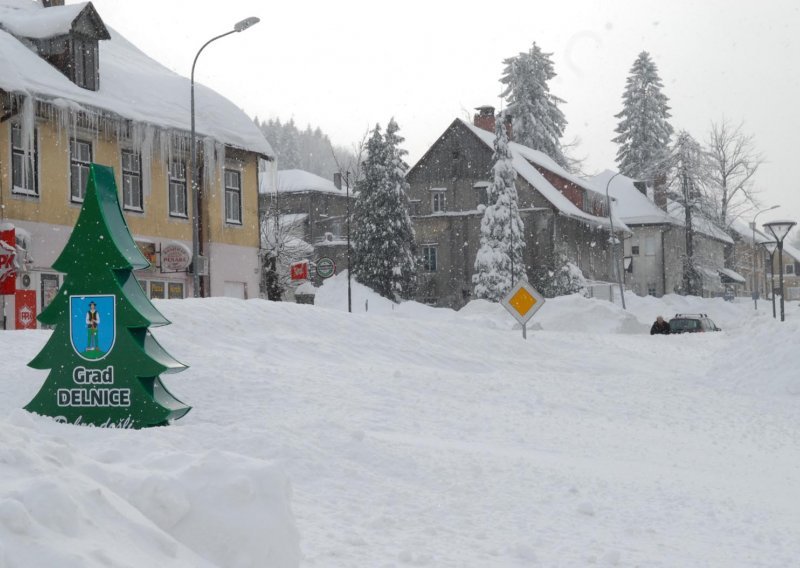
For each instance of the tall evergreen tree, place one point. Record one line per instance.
(499, 262)
(644, 130)
(687, 171)
(383, 238)
(536, 119)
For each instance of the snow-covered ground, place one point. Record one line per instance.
(413, 436)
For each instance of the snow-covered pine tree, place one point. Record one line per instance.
(644, 130)
(687, 177)
(537, 121)
(383, 238)
(557, 276)
(499, 263)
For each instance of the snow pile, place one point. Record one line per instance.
(421, 436)
(154, 506)
(768, 366)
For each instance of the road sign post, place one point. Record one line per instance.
(522, 302)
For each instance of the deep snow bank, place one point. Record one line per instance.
(169, 497)
(573, 313)
(401, 427)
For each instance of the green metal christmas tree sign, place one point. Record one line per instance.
(104, 363)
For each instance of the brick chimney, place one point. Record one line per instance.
(487, 120)
(660, 191)
(484, 118)
(51, 3)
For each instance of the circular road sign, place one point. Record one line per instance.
(325, 267)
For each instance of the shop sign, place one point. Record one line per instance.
(175, 257)
(8, 270)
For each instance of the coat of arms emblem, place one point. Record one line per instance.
(92, 321)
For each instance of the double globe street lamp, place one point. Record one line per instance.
(779, 230)
(771, 247)
(198, 263)
(754, 279)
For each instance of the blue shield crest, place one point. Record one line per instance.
(92, 325)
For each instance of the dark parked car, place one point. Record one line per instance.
(692, 323)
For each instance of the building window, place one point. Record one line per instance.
(24, 169)
(635, 250)
(175, 290)
(651, 289)
(157, 290)
(80, 157)
(650, 245)
(177, 188)
(437, 201)
(85, 63)
(429, 258)
(789, 269)
(482, 187)
(233, 197)
(131, 180)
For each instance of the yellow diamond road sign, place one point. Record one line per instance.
(523, 301)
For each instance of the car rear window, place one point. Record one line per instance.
(684, 324)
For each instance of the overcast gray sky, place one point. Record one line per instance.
(345, 65)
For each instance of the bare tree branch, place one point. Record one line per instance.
(733, 161)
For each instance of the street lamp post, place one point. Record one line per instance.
(753, 279)
(779, 230)
(349, 270)
(771, 246)
(614, 263)
(238, 27)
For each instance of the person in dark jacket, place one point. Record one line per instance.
(660, 327)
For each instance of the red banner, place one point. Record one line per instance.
(8, 273)
(299, 270)
(25, 310)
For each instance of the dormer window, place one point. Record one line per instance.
(84, 64)
(66, 37)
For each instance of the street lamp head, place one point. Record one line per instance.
(246, 23)
(770, 246)
(779, 229)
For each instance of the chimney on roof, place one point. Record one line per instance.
(337, 180)
(484, 118)
(660, 191)
(487, 120)
(51, 3)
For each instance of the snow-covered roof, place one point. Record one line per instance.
(733, 275)
(791, 251)
(636, 208)
(285, 220)
(132, 85)
(296, 181)
(699, 223)
(38, 24)
(522, 156)
(746, 232)
(632, 205)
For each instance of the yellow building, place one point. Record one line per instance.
(74, 92)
